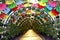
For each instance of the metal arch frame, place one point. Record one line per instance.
(25, 19)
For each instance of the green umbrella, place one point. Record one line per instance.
(46, 10)
(12, 5)
(58, 7)
(44, 0)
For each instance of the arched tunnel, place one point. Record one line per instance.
(29, 20)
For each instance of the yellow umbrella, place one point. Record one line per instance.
(51, 14)
(6, 17)
(42, 3)
(9, 1)
(27, 4)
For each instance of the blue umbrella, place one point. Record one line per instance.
(18, 2)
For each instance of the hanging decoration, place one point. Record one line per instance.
(29, 7)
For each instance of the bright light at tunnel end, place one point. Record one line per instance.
(30, 35)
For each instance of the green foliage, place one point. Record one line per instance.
(30, 24)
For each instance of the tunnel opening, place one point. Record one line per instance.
(20, 23)
(34, 24)
(27, 15)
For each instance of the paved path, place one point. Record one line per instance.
(31, 35)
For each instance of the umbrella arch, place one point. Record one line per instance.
(25, 11)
